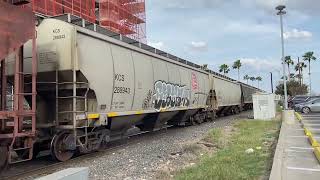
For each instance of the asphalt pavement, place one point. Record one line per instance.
(295, 157)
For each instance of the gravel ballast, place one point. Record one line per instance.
(143, 156)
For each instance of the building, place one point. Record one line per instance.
(126, 17)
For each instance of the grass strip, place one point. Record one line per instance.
(231, 162)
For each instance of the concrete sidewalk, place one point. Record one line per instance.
(294, 158)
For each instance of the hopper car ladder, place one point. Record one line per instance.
(18, 122)
(76, 126)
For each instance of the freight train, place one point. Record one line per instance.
(94, 85)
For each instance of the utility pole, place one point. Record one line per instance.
(310, 93)
(281, 12)
(271, 78)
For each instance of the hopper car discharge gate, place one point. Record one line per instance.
(18, 121)
(72, 123)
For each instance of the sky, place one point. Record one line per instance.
(216, 32)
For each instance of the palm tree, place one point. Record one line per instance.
(292, 75)
(309, 56)
(299, 77)
(289, 62)
(299, 67)
(252, 79)
(224, 68)
(259, 79)
(282, 77)
(246, 77)
(237, 65)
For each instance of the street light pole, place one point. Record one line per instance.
(271, 78)
(280, 13)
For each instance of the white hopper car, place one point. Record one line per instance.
(95, 85)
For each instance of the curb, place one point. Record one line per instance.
(298, 115)
(316, 152)
(314, 143)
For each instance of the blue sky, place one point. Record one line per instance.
(214, 32)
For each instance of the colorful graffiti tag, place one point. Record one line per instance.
(194, 81)
(168, 95)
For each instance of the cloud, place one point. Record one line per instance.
(199, 46)
(304, 6)
(187, 4)
(297, 34)
(157, 45)
(268, 5)
(250, 27)
(261, 64)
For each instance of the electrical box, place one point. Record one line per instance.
(264, 106)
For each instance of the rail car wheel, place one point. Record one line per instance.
(3, 157)
(211, 116)
(192, 121)
(61, 146)
(237, 110)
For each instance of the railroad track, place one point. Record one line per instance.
(54, 165)
(46, 168)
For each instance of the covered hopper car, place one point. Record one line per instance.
(94, 85)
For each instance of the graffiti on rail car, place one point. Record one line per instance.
(168, 95)
(194, 81)
(147, 101)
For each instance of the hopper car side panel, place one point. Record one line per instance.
(247, 92)
(228, 93)
(163, 85)
(144, 81)
(161, 80)
(200, 84)
(91, 52)
(185, 77)
(158, 86)
(206, 90)
(56, 37)
(123, 78)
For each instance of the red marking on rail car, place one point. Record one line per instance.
(194, 81)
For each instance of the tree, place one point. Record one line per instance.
(292, 75)
(299, 77)
(252, 79)
(309, 56)
(299, 67)
(246, 77)
(293, 88)
(259, 79)
(289, 62)
(237, 65)
(224, 68)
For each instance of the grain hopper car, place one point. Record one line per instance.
(94, 85)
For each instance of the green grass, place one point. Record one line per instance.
(215, 137)
(279, 108)
(231, 162)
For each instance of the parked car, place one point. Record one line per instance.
(300, 99)
(312, 105)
